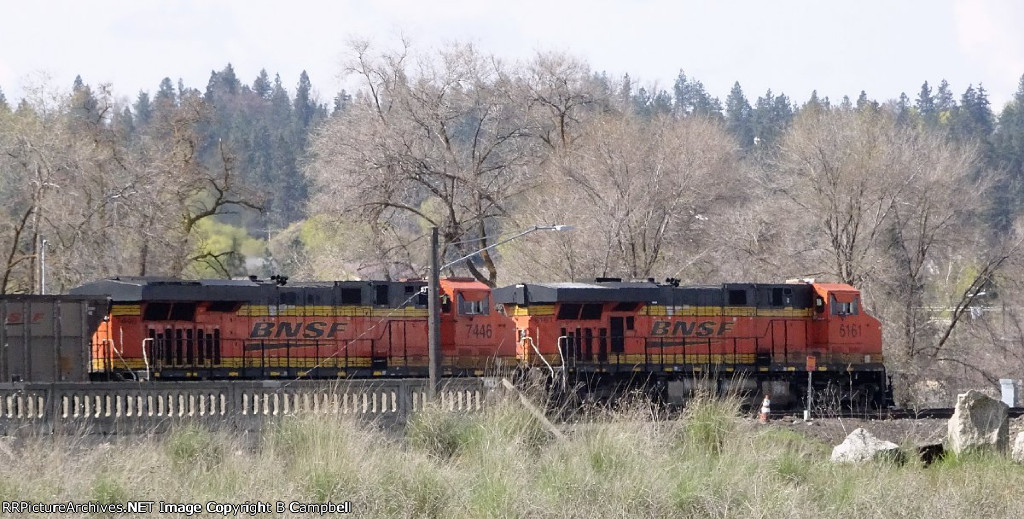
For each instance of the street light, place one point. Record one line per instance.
(434, 300)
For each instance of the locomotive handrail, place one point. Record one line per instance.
(145, 358)
(113, 347)
(561, 354)
(534, 346)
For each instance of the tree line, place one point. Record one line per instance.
(915, 201)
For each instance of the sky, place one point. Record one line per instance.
(883, 47)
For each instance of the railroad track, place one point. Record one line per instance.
(894, 414)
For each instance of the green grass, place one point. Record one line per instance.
(504, 463)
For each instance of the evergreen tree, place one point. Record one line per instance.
(771, 117)
(84, 105)
(229, 81)
(814, 104)
(973, 119)
(626, 92)
(341, 102)
(944, 102)
(862, 100)
(165, 97)
(281, 106)
(641, 102)
(261, 86)
(738, 116)
(143, 109)
(305, 107)
(124, 122)
(903, 115)
(926, 106)
(662, 102)
(4, 107)
(681, 94)
(1008, 153)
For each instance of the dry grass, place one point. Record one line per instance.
(503, 463)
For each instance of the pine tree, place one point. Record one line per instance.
(973, 119)
(261, 86)
(903, 115)
(165, 95)
(305, 107)
(4, 107)
(229, 81)
(814, 104)
(341, 102)
(926, 106)
(944, 98)
(681, 91)
(738, 116)
(84, 105)
(771, 117)
(1008, 153)
(626, 92)
(143, 110)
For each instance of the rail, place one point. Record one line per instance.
(141, 408)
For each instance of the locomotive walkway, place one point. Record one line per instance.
(140, 408)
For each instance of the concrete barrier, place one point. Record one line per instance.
(139, 408)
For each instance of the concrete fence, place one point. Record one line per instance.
(138, 408)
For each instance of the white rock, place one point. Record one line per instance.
(1018, 448)
(979, 423)
(861, 446)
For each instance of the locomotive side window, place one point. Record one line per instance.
(223, 306)
(841, 308)
(591, 311)
(625, 307)
(819, 304)
(380, 295)
(568, 311)
(157, 311)
(183, 312)
(737, 297)
(351, 296)
(468, 306)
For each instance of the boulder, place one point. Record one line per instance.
(1018, 448)
(978, 423)
(861, 446)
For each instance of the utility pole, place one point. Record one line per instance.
(434, 321)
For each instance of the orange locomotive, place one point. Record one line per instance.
(611, 333)
(207, 329)
(604, 334)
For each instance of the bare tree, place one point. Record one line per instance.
(440, 141)
(641, 193)
(893, 209)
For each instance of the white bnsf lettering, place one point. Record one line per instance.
(296, 330)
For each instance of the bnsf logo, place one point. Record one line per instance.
(690, 328)
(304, 330)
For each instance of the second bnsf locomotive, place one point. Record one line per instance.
(612, 333)
(603, 334)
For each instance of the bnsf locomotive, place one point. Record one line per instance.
(605, 334)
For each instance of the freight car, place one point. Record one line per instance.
(219, 329)
(611, 334)
(47, 338)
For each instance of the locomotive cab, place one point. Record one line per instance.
(841, 331)
(471, 328)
